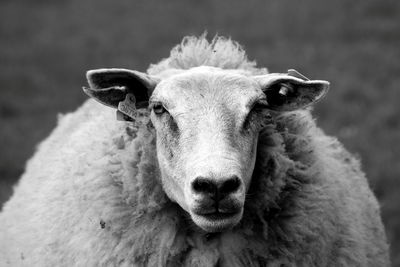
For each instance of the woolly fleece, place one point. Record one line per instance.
(91, 194)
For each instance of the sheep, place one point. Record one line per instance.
(212, 162)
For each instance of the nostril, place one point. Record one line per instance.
(216, 189)
(230, 186)
(203, 185)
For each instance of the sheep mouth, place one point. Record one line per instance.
(217, 221)
(218, 215)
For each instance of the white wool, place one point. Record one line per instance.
(198, 51)
(91, 195)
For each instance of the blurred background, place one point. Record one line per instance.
(47, 45)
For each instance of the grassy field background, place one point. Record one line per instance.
(47, 45)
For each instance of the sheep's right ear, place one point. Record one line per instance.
(112, 86)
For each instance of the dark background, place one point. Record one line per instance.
(47, 45)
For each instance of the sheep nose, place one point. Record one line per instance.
(216, 189)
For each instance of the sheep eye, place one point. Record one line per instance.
(159, 109)
(259, 106)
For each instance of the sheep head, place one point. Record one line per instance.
(207, 121)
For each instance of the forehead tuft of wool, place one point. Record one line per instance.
(195, 51)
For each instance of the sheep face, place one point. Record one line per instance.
(207, 122)
(207, 129)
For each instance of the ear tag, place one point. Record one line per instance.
(285, 89)
(127, 108)
(295, 73)
(122, 117)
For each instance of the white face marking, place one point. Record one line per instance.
(207, 136)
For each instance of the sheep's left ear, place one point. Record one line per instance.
(111, 86)
(291, 91)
